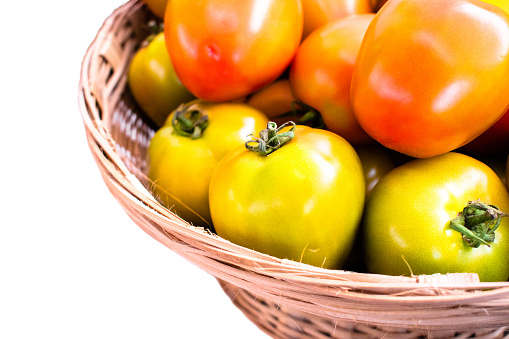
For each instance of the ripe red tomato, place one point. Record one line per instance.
(225, 49)
(432, 75)
(321, 73)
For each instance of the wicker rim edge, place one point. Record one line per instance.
(237, 265)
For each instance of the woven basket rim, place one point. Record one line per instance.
(235, 264)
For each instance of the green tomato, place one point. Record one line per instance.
(183, 154)
(301, 202)
(408, 226)
(153, 82)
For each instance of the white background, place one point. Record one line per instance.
(72, 264)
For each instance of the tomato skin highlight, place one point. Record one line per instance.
(226, 49)
(422, 85)
(407, 219)
(302, 202)
(321, 73)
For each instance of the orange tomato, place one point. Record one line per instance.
(225, 49)
(432, 75)
(321, 74)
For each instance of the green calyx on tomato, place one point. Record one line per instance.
(478, 223)
(418, 234)
(271, 138)
(184, 152)
(189, 121)
(286, 204)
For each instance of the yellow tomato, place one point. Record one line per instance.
(183, 153)
(302, 202)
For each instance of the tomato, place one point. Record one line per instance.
(303, 201)
(376, 163)
(153, 82)
(410, 214)
(182, 159)
(320, 12)
(225, 49)
(432, 75)
(494, 141)
(321, 74)
(158, 7)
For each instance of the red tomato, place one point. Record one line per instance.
(320, 12)
(225, 49)
(432, 75)
(321, 73)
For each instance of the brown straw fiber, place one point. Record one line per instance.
(285, 299)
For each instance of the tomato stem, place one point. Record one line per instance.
(477, 223)
(271, 138)
(189, 120)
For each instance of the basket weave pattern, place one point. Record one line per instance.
(285, 299)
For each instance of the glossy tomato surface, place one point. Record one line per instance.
(302, 202)
(321, 74)
(225, 49)
(407, 219)
(432, 75)
(320, 12)
(153, 82)
(181, 166)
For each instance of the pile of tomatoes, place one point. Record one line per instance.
(345, 134)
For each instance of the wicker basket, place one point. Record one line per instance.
(285, 299)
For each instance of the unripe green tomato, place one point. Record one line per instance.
(408, 219)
